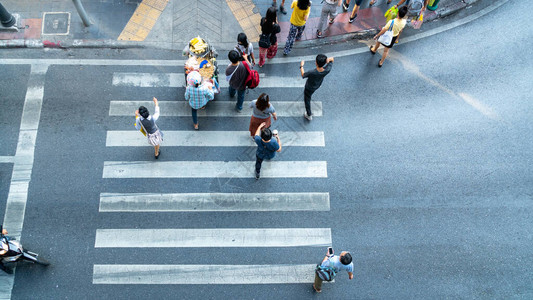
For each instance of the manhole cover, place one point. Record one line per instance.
(56, 23)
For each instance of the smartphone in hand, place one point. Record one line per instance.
(330, 251)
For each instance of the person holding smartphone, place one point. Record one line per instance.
(338, 263)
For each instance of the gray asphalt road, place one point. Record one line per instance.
(429, 174)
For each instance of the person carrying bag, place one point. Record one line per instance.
(389, 34)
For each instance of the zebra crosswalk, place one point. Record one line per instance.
(203, 274)
(217, 202)
(186, 201)
(214, 108)
(129, 138)
(178, 80)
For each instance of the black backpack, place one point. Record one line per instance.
(264, 40)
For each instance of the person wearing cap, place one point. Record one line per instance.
(266, 147)
(197, 94)
(342, 262)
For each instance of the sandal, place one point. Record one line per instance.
(371, 50)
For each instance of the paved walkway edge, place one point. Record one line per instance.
(114, 44)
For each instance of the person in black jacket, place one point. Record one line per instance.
(268, 41)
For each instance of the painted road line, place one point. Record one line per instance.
(203, 274)
(7, 159)
(203, 202)
(23, 164)
(143, 20)
(212, 237)
(189, 138)
(213, 169)
(213, 108)
(178, 80)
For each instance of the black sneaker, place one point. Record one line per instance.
(282, 10)
(318, 34)
(256, 175)
(352, 19)
(344, 5)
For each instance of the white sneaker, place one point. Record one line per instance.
(309, 118)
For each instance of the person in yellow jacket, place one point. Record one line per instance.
(300, 12)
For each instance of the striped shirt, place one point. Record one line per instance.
(198, 96)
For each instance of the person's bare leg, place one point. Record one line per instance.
(354, 11)
(376, 46)
(282, 7)
(345, 4)
(385, 53)
(156, 150)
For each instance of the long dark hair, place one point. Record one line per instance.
(303, 4)
(262, 102)
(243, 39)
(271, 15)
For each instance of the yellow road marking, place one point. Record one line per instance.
(243, 11)
(143, 20)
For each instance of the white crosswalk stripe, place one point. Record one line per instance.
(213, 169)
(203, 274)
(186, 202)
(213, 108)
(212, 237)
(178, 80)
(132, 138)
(204, 202)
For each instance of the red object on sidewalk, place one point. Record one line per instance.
(32, 30)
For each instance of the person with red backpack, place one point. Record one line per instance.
(236, 74)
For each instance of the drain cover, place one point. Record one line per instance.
(56, 23)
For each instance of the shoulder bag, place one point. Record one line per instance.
(386, 38)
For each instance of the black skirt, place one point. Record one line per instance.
(392, 42)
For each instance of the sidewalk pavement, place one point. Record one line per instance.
(170, 24)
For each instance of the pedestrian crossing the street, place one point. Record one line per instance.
(184, 201)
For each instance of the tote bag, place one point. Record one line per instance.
(386, 38)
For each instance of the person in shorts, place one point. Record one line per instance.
(397, 28)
